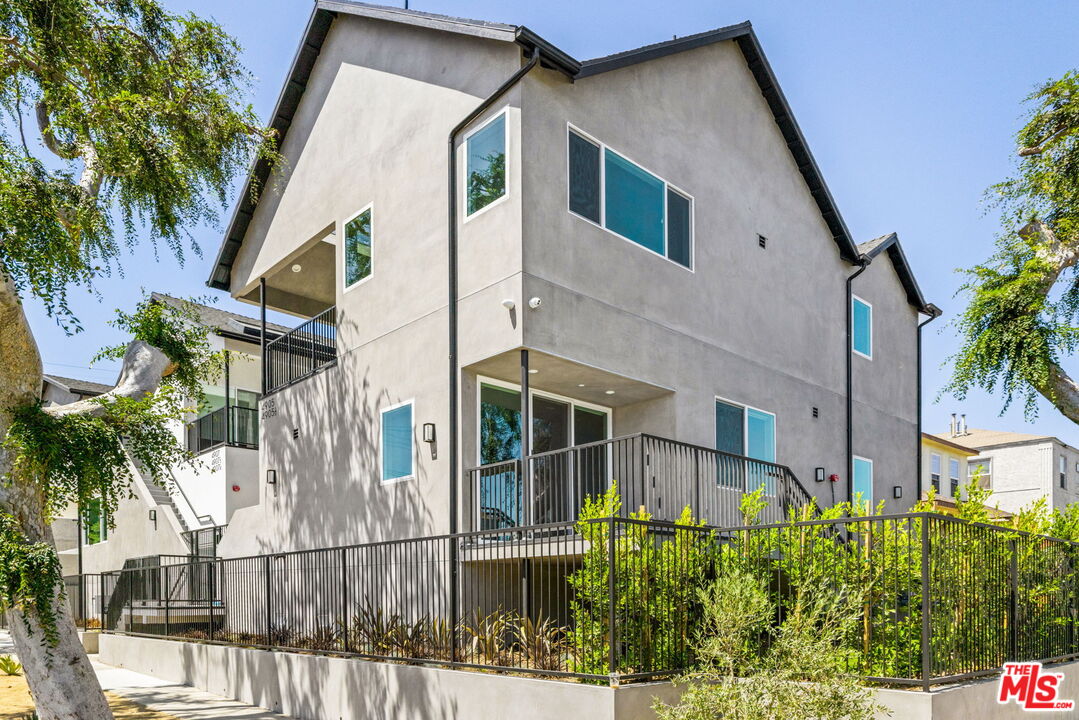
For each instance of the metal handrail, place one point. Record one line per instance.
(300, 352)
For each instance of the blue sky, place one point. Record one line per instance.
(909, 108)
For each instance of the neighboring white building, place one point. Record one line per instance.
(203, 495)
(1020, 468)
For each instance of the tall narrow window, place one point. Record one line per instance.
(628, 200)
(953, 476)
(95, 523)
(486, 171)
(862, 327)
(584, 177)
(397, 435)
(358, 248)
(934, 471)
(863, 481)
(980, 470)
(1063, 472)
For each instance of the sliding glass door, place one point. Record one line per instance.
(749, 432)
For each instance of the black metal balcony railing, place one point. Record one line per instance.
(301, 352)
(662, 476)
(212, 430)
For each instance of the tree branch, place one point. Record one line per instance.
(1063, 392)
(144, 367)
(66, 152)
(1040, 147)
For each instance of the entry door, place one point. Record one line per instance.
(551, 474)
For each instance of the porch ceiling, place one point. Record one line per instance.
(568, 378)
(305, 291)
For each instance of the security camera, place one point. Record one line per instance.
(535, 303)
(509, 304)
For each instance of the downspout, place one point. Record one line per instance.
(934, 312)
(453, 357)
(262, 333)
(863, 262)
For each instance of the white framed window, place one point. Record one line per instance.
(935, 471)
(486, 178)
(862, 487)
(861, 338)
(398, 446)
(953, 476)
(95, 523)
(750, 432)
(1063, 472)
(980, 470)
(608, 189)
(357, 248)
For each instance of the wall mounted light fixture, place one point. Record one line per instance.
(897, 491)
(428, 432)
(271, 479)
(153, 518)
(818, 474)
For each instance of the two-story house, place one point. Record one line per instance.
(1020, 468)
(185, 515)
(503, 252)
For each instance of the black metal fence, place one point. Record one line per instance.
(616, 599)
(239, 428)
(661, 475)
(86, 600)
(301, 351)
(202, 542)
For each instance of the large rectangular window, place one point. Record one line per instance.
(862, 327)
(486, 164)
(953, 476)
(628, 200)
(397, 439)
(746, 431)
(863, 482)
(358, 248)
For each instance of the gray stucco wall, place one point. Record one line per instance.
(762, 327)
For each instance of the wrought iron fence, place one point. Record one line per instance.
(300, 352)
(661, 475)
(202, 542)
(212, 430)
(86, 598)
(616, 599)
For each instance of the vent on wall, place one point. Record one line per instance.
(816, 413)
(762, 241)
(295, 433)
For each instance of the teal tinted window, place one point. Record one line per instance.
(486, 149)
(862, 327)
(760, 435)
(584, 191)
(397, 443)
(678, 230)
(634, 203)
(730, 426)
(863, 480)
(358, 248)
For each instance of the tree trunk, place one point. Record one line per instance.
(62, 682)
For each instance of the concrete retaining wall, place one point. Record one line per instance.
(312, 687)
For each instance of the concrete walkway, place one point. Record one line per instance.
(183, 701)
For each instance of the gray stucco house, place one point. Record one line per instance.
(644, 241)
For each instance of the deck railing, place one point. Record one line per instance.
(663, 476)
(938, 599)
(239, 429)
(301, 352)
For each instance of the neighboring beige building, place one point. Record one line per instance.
(1020, 468)
(944, 465)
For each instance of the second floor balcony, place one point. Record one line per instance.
(651, 473)
(232, 425)
(301, 352)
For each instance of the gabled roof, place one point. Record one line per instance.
(986, 439)
(890, 243)
(78, 387)
(221, 320)
(948, 441)
(552, 57)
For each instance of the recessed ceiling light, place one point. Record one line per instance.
(533, 371)
(297, 267)
(580, 384)
(610, 392)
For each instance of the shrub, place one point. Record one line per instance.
(9, 665)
